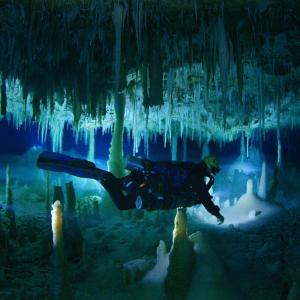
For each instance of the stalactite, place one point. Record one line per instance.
(224, 59)
(242, 147)
(76, 109)
(145, 67)
(261, 105)
(205, 149)
(247, 144)
(146, 135)
(170, 79)
(91, 142)
(138, 11)
(239, 70)
(88, 98)
(3, 96)
(146, 143)
(184, 152)
(156, 72)
(118, 17)
(36, 107)
(174, 147)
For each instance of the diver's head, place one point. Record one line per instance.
(212, 164)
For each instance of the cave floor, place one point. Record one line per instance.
(257, 261)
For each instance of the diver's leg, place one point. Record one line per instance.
(115, 189)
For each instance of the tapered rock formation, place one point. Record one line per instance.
(61, 287)
(181, 259)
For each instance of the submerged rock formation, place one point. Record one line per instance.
(262, 189)
(248, 207)
(74, 238)
(60, 279)
(9, 209)
(181, 259)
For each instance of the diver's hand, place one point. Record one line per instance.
(211, 178)
(220, 220)
(210, 182)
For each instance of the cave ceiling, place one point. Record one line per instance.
(202, 69)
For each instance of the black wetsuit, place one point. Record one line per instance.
(196, 178)
(151, 185)
(167, 185)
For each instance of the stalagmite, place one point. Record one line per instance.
(211, 280)
(134, 270)
(248, 208)
(96, 209)
(47, 194)
(294, 293)
(115, 162)
(61, 283)
(181, 259)
(9, 209)
(8, 192)
(262, 191)
(58, 195)
(249, 187)
(74, 238)
(3, 251)
(3, 242)
(159, 272)
(279, 155)
(274, 184)
(71, 198)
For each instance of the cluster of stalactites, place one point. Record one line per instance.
(186, 113)
(204, 86)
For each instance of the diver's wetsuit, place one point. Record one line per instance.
(151, 185)
(200, 188)
(169, 185)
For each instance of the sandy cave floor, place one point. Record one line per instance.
(257, 261)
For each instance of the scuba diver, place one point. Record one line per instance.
(151, 185)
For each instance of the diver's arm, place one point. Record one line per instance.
(209, 205)
(206, 200)
(210, 182)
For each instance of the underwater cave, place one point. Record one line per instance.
(150, 149)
